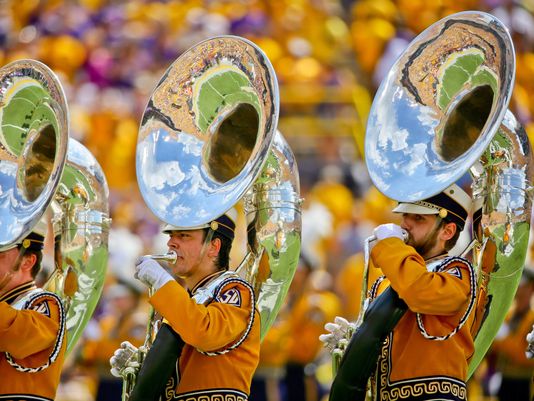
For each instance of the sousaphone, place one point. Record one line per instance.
(207, 141)
(208, 138)
(43, 171)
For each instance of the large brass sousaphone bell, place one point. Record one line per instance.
(33, 139)
(43, 171)
(206, 131)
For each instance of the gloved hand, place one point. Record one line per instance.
(124, 357)
(151, 274)
(530, 348)
(389, 231)
(339, 330)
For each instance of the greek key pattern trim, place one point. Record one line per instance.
(441, 387)
(212, 395)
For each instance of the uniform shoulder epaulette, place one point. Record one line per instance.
(38, 302)
(450, 266)
(226, 293)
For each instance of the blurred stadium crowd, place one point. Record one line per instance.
(329, 56)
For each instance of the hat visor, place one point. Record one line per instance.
(8, 247)
(167, 229)
(414, 209)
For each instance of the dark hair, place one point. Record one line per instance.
(223, 259)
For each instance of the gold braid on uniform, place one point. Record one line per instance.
(59, 338)
(374, 289)
(23, 397)
(473, 293)
(416, 389)
(250, 320)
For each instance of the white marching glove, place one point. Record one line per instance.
(389, 231)
(151, 274)
(124, 357)
(530, 348)
(340, 329)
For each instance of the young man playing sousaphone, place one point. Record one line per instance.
(221, 336)
(32, 324)
(425, 355)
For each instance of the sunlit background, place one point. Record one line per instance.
(329, 56)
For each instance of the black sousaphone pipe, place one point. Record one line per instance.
(359, 360)
(158, 365)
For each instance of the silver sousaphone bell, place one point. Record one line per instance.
(43, 171)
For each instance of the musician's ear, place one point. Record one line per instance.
(28, 260)
(448, 230)
(215, 247)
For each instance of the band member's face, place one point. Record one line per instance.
(422, 232)
(8, 271)
(188, 246)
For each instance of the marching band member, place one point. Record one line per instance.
(222, 338)
(32, 328)
(426, 355)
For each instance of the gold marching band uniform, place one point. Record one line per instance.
(225, 376)
(429, 349)
(32, 344)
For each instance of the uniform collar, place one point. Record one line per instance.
(435, 261)
(437, 257)
(12, 295)
(206, 280)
